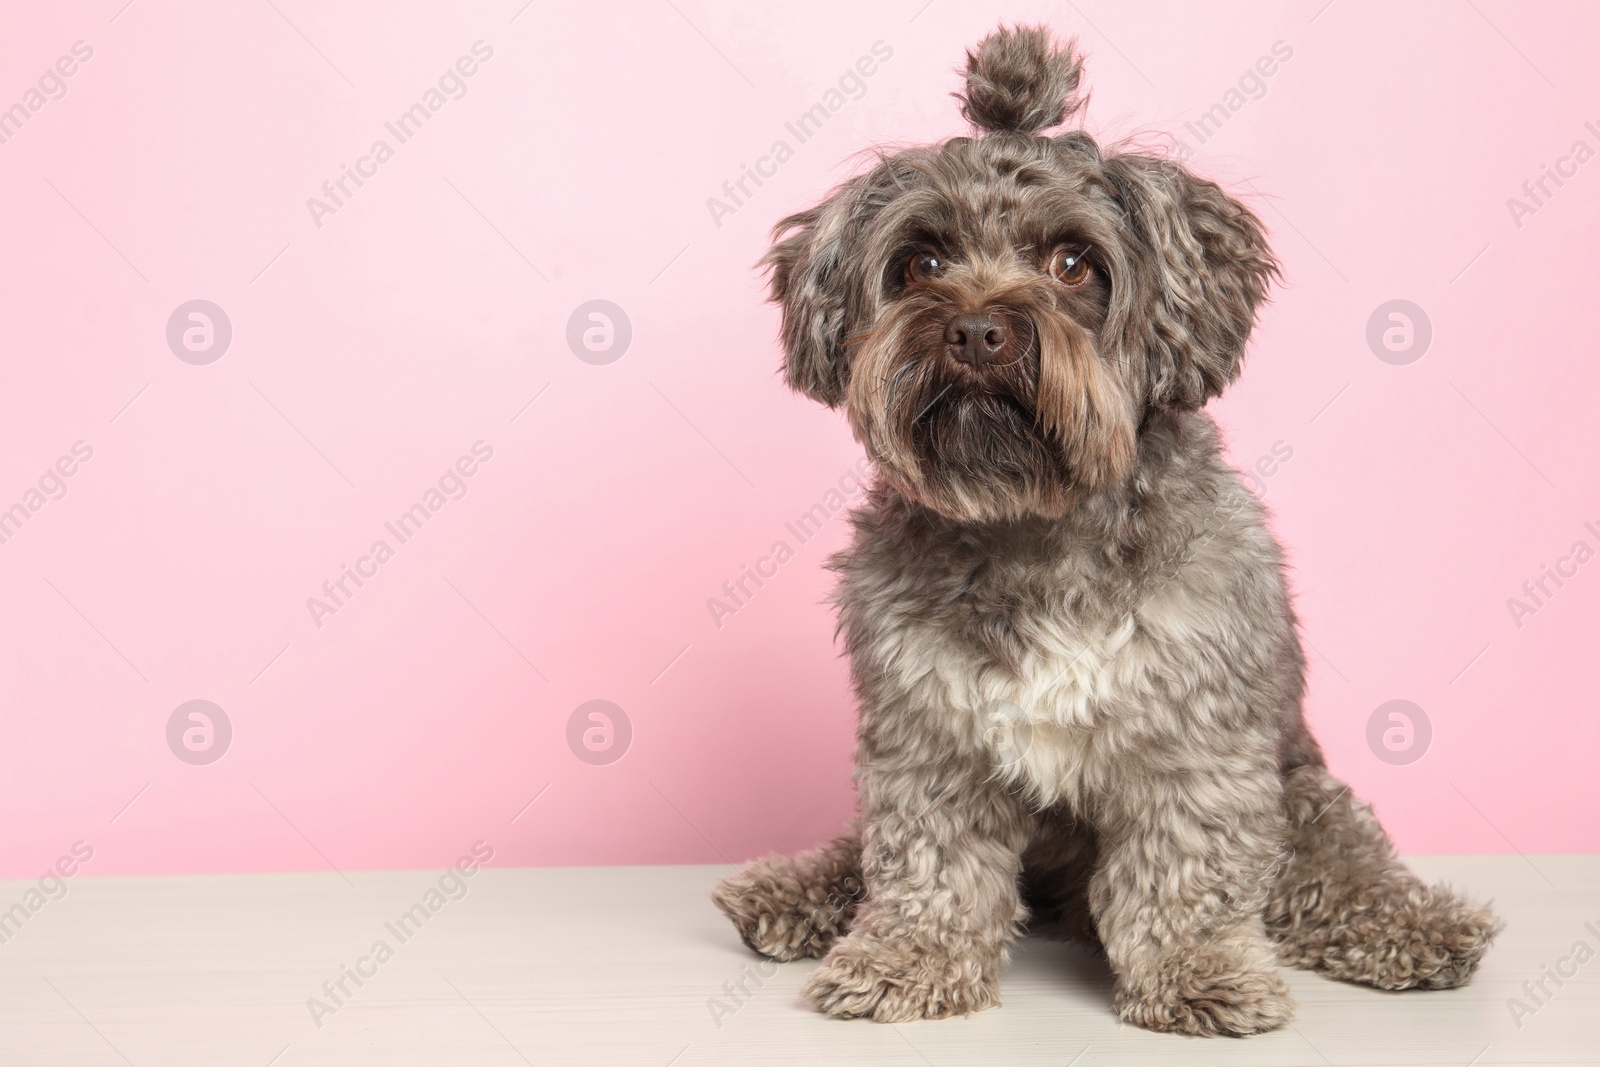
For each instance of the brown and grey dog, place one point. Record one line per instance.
(1077, 663)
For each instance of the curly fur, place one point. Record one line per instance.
(1018, 81)
(1069, 629)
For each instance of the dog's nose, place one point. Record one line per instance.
(976, 339)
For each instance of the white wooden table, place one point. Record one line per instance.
(624, 965)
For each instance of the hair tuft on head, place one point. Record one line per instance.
(1020, 81)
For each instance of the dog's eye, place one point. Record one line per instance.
(923, 266)
(1070, 266)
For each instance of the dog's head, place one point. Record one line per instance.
(1000, 314)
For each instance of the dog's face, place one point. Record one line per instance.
(1000, 314)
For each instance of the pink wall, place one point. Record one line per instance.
(371, 352)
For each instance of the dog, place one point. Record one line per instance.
(1068, 625)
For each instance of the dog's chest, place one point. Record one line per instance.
(1035, 675)
(1044, 662)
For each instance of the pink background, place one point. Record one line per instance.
(377, 348)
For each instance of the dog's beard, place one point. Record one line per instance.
(1030, 434)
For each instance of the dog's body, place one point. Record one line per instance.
(1068, 625)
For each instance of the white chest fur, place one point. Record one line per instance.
(1044, 721)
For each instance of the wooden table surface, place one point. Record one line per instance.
(632, 965)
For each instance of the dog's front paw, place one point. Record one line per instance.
(868, 980)
(1208, 993)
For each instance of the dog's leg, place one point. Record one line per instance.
(794, 907)
(1347, 907)
(941, 855)
(1187, 864)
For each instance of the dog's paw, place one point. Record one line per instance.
(861, 981)
(1208, 993)
(778, 914)
(1395, 934)
(1433, 940)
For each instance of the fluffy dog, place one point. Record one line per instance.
(1068, 625)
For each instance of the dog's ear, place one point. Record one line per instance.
(1200, 266)
(811, 280)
